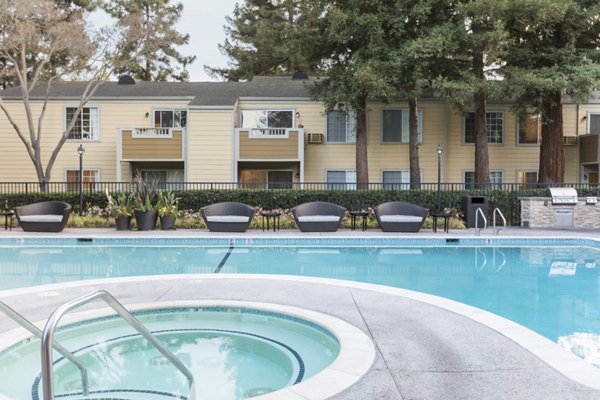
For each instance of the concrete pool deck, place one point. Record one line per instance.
(424, 350)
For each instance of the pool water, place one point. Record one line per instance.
(232, 353)
(551, 288)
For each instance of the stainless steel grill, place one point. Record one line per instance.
(563, 195)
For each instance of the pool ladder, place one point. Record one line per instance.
(495, 228)
(47, 337)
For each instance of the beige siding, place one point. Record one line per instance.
(152, 148)
(210, 147)
(268, 149)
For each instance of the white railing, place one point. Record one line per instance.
(152, 133)
(499, 213)
(269, 133)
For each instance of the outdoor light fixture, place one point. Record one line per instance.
(147, 114)
(80, 151)
(439, 190)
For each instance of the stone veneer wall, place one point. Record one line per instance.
(539, 212)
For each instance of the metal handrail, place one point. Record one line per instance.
(52, 324)
(497, 211)
(37, 332)
(477, 213)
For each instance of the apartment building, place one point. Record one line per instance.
(270, 131)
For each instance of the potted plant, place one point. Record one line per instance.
(120, 208)
(145, 204)
(167, 209)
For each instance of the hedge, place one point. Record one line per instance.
(505, 200)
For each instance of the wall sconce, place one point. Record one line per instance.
(584, 118)
(147, 114)
(297, 175)
(297, 114)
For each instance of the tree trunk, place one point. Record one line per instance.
(362, 165)
(413, 145)
(552, 156)
(482, 162)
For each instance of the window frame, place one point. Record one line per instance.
(420, 126)
(493, 185)
(487, 118)
(402, 185)
(173, 110)
(539, 134)
(81, 138)
(87, 185)
(347, 114)
(348, 185)
(526, 171)
(267, 111)
(589, 115)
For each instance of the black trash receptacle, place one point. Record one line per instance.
(470, 204)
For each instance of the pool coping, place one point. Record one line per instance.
(549, 352)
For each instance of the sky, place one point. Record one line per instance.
(203, 20)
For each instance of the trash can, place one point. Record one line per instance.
(470, 204)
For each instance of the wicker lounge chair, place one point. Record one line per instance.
(47, 216)
(227, 217)
(397, 216)
(318, 216)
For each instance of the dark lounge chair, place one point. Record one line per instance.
(318, 216)
(47, 216)
(227, 216)
(397, 216)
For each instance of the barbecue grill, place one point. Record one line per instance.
(563, 196)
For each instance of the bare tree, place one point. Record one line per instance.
(33, 33)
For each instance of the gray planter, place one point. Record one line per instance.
(167, 222)
(145, 220)
(123, 223)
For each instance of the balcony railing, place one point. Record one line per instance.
(269, 133)
(149, 133)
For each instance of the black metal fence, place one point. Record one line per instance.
(70, 187)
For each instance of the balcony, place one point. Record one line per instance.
(151, 144)
(269, 144)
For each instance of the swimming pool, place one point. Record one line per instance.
(551, 286)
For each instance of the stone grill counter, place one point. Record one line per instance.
(542, 212)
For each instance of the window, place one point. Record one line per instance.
(90, 178)
(397, 180)
(171, 179)
(267, 119)
(341, 127)
(530, 129)
(266, 179)
(394, 126)
(341, 180)
(495, 127)
(594, 124)
(170, 119)
(496, 179)
(527, 179)
(86, 125)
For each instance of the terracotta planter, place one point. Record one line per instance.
(167, 222)
(145, 220)
(123, 223)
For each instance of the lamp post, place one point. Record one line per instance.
(439, 189)
(80, 151)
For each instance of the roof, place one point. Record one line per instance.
(199, 93)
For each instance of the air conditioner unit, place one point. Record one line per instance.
(314, 138)
(570, 140)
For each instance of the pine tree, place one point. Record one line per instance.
(554, 52)
(152, 54)
(270, 37)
